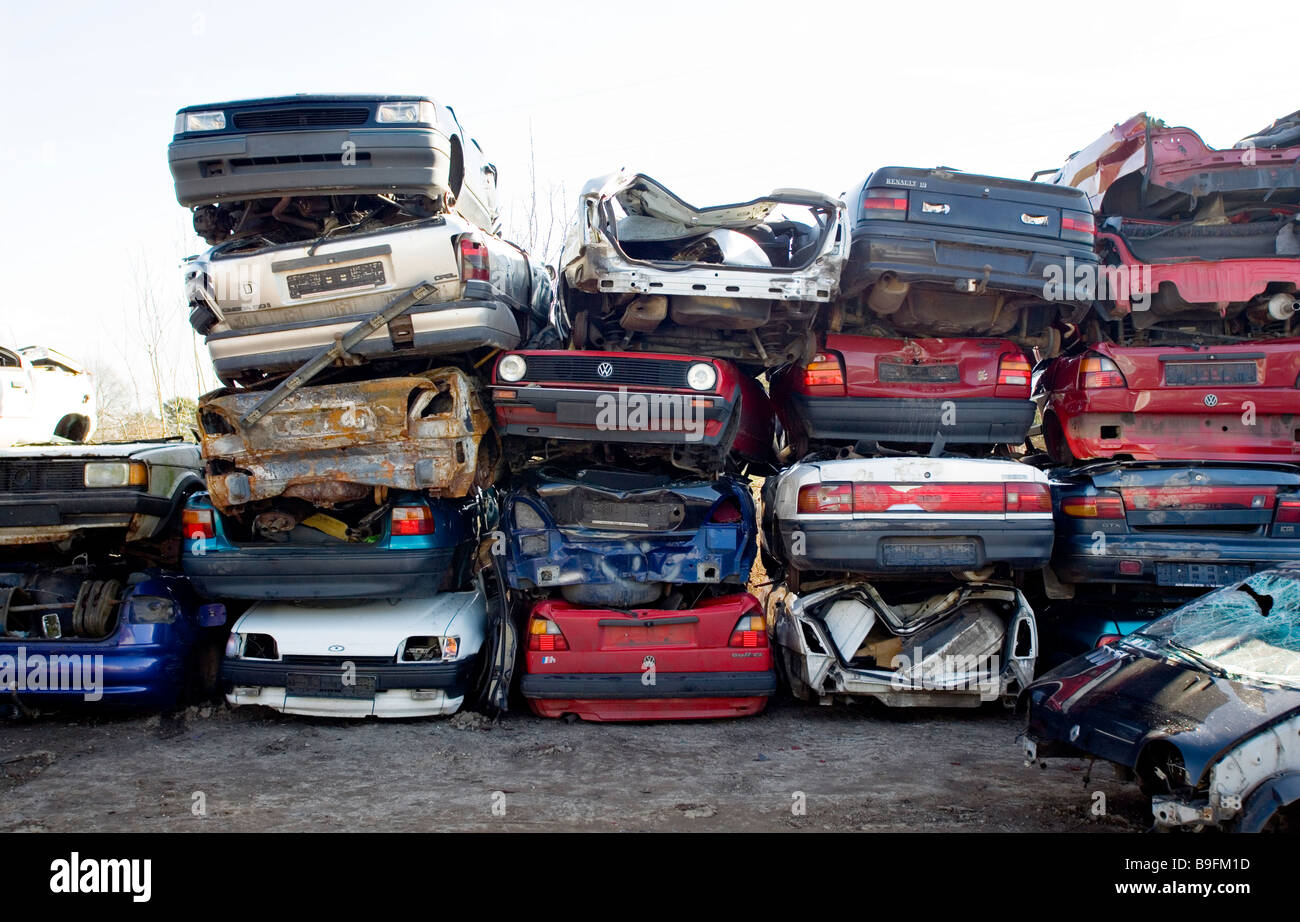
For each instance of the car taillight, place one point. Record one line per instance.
(1288, 510)
(940, 497)
(412, 520)
(1079, 222)
(1101, 372)
(197, 523)
(750, 631)
(1105, 640)
(544, 634)
(1028, 497)
(1100, 506)
(823, 371)
(1013, 369)
(1199, 498)
(726, 512)
(473, 260)
(822, 498)
(885, 203)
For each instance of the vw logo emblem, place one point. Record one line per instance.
(604, 369)
(336, 648)
(1211, 400)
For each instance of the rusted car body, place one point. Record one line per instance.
(336, 443)
(645, 271)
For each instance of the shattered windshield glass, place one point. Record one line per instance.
(1251, 631)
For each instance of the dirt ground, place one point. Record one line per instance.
(857, 767)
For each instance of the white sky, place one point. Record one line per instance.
(719, 101)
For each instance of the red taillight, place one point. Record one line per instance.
(1129, 568)
(473, 260)
(1288, 511)
(750, 631)
(545, 635)
(1148, 499)
(1105, 640)
(1100, 506)
(726, 512)
(1101, 372)
(197, 523)
(884, 203)
(1028, 497)
(1079, 222)
(412, 520)
(823, 371)
(1013, 369)
(822, 498)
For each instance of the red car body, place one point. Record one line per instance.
(713, 660)
(1213, 403)
(560, 393)
(867, 388)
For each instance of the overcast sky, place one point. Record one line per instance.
(719, 101)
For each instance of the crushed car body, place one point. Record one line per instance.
(957, 648)
(645, 271)
(333, 443)
(1201, 705)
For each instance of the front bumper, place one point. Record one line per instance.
(27, 518)
(442, 328)
(892, 419)
(324, 572)
(400, 690)
(884, 547)
(613, 415)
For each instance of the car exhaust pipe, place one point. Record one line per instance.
(1283, 305)
(887, 295)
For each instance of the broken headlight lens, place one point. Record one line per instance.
(702, 376)
(147, 609)
(527, 517)
(534, 545)
(200, 121)
(115, 474)
(430, 649)
(511, 368)
(406, 113)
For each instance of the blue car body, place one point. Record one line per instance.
(148, 658)
(617, 537)
(318, 567)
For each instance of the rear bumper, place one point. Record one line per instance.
(984, 421)
(870, 546)
(1076, 559)
(952, 259)
(1157, 436)
(221, 168)
(443, 328)
(317, 573)
(620, 697)
(614, 415)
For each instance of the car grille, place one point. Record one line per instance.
(270, 119)
(336, 662)
(650, 372)
(41, 476)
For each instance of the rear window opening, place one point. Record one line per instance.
(297, 522)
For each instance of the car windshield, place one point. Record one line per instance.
(1251, 630)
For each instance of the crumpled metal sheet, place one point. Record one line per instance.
(336, 442)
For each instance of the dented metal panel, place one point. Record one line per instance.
(334, 443)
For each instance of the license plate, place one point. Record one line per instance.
(1203, 373)
(1199, 574)
(329, 685)
(929, 554)
(32, 515)
(336, 278)
(904, 373)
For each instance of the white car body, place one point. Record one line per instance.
(44, 395)
(353, 636)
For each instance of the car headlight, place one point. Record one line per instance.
(115, 474)
(406, 113)
(424, 649)
(512, 367)
(149, 609)
(199, 121)
(702, 376)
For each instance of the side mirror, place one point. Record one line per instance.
(212, 615)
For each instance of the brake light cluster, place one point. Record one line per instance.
(1104, 505)
(750, 632)
(412, 520)
(885, 203)
(197, 523)
(545, 635)
(1097, 371)
(1078, 222)
(824, 370)
(726, 512)
(473, 260)
(1013, 369)
(844, 498)
(1288, 511)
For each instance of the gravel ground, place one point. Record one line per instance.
(858, 768)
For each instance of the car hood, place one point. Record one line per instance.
(74, 451)
(1121, 699)
(364, 628)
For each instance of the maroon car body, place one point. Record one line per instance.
(640, 405)
(872, 389)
